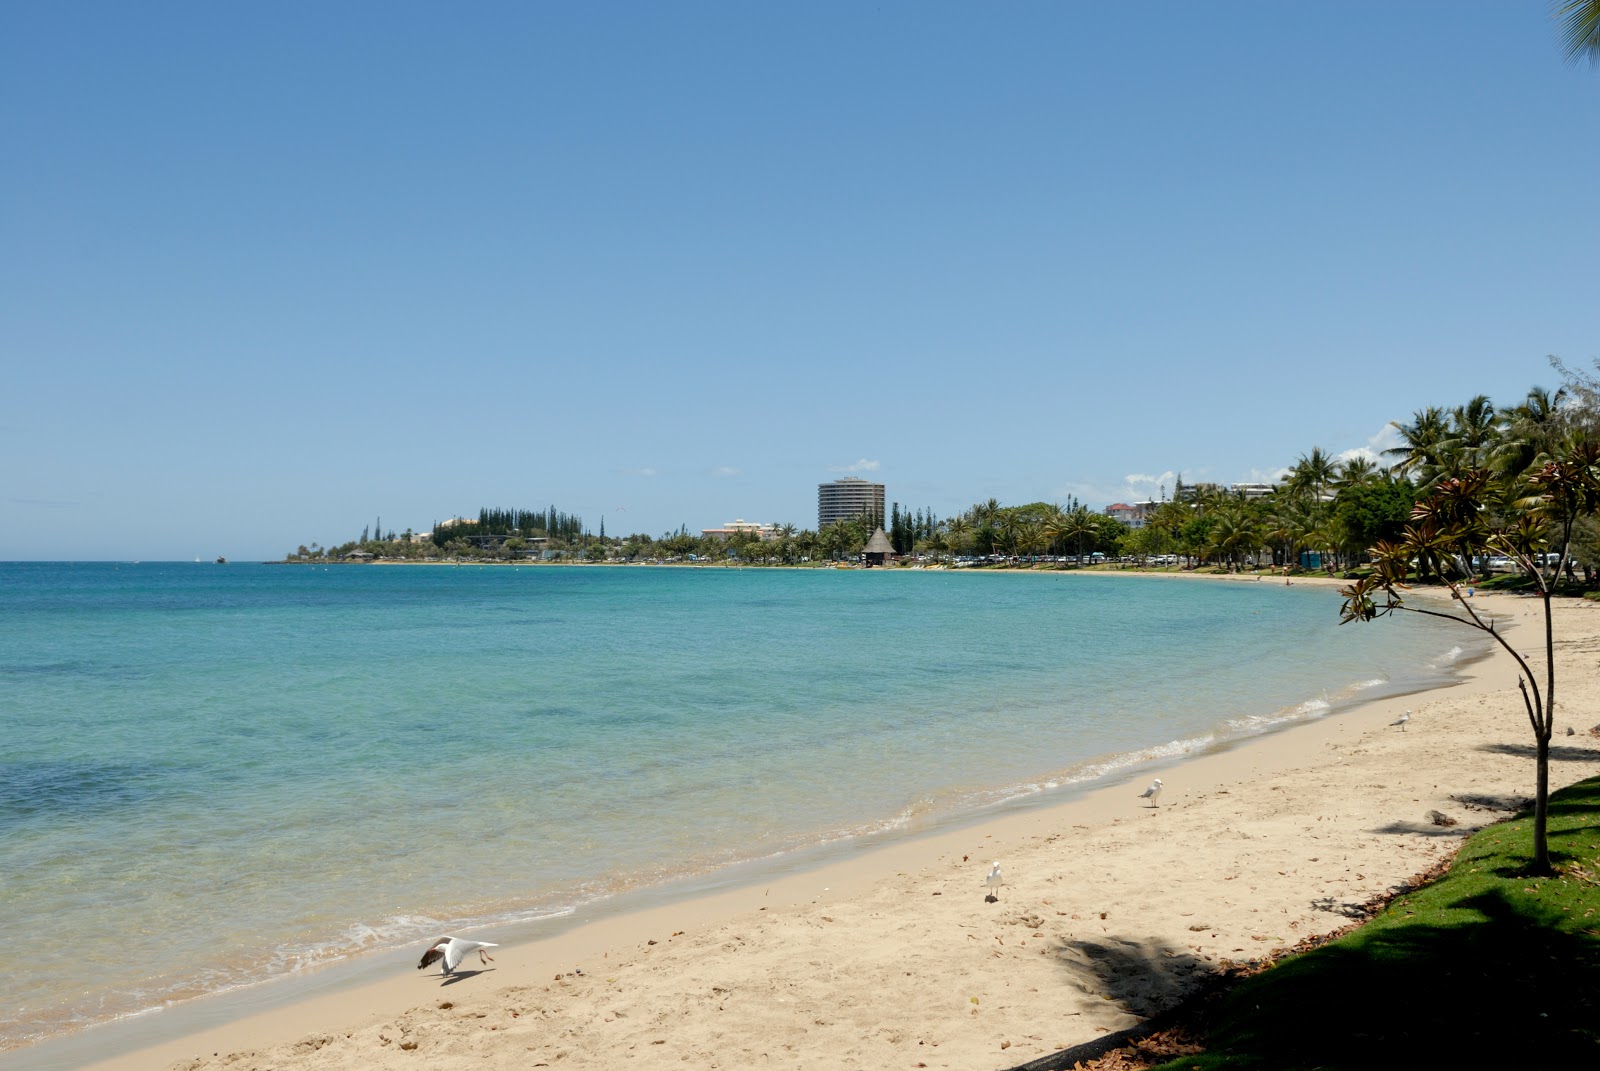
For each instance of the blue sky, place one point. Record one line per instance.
(270, 272)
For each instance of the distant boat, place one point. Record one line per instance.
(222, 561)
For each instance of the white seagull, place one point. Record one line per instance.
(1152, 793)
(453, 950)
(1401, 720)
(994, 881)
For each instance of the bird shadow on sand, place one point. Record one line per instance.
(1144, 977)
(461, 976)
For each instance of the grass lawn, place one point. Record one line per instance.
(1483, 968)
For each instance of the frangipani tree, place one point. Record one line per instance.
(1462, 513)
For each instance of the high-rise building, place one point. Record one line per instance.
(846, 498)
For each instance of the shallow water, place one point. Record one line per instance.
(214, 775)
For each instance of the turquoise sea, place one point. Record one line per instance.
(214, 775)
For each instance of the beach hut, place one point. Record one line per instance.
(879, 550)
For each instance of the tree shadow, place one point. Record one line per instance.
(1348, 908)
(1144, 977)
(1506, 987)
(1484, 801)
(1421, 829)
(1558, 752)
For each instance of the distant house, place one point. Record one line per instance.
(879, 550)
(1254, 491)
(767, 533)
(1132, 516)
(360, 556)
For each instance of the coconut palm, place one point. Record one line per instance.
(1074, 526)
(1313, 474)
(1528, 432)
(1355, 472)
(1473, 429)
(1580, 29)
(956, 530)
(1030, 537)
(1283, 527)
(1233, 535)
(1050, 520)
(983, 513)
(1418, 455)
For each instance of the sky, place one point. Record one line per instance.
(272, 272)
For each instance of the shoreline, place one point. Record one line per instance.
(812, 923)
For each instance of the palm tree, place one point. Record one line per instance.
(1580, 29)
(1528, 432)
(1419, 454)
(1076, 526)
(1233, 534)
(1030, 537)
(1292, 523)
(1474, 428)
(985, 512)
(1355, 472)
(956, 531)
(1050, 523)
(1313, 474)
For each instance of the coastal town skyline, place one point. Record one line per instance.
(674, 266)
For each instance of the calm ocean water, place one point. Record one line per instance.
(214, 775)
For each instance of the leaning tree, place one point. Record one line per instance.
(1471, 513)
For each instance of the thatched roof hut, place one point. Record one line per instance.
(879, 550)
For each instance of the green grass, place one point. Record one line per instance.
(1483, 968)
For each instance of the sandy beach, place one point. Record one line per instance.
(1111, 910)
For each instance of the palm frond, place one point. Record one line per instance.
(1580, 29)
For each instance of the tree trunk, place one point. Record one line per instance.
(1541, 807)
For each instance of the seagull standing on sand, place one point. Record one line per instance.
(1152, 793)
(453, 950)
(1401, 720)
(993, 881)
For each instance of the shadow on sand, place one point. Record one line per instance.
(461, 976)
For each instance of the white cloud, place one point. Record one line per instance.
(860, 466)
(1387, 438)
(725, 470)
(1143, 487)
(1135, 487)
(1265, 475)
(646, 471)
(1140, 481)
